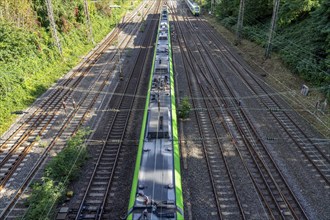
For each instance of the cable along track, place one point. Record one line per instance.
(278, 199)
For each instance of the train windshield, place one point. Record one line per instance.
(196, 8)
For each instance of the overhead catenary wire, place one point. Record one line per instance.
(305, 108)
(262, 36)
(320, 88)
(271, 138)
(277, 33)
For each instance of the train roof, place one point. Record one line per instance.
(158, 125)
(155, 192)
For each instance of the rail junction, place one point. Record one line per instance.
(246, 154)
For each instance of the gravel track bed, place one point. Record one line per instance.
(312, 193)
(295, 168)
(119, 193)
(46, 138)
(79, 92)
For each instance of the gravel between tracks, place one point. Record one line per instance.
(280, 78)
(299, 177)
(121, 186)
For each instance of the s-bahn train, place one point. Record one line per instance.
(193, 6)
(156, 189)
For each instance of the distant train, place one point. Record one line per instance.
(156, 188)
(193, 6)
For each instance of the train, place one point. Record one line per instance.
(193, 6)
(156, 189)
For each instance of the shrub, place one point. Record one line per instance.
(62, 169)
(184, 108)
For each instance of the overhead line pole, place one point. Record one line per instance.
(240, 21)
(52, 25)
(212, 6)
(272, 28)
(89, 24)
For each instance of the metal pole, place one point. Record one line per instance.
(272, 28)
(52, 25)
(89, 24)
(240, 21)
(212, 2)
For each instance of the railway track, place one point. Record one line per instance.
(269, 181)
(97, 201)
(286, 121)
(278, 197)
(226, 199)
(73, 119)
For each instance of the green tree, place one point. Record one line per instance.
(62, 169)
(258, 10)
(292, 10)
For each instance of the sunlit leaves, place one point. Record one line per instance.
(291, 10)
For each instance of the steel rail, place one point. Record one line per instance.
(52, 103)
(187, 61)
(115, 117)
(277, 110)
(200, 131)
(250, 123)
(206, 77)
(70, 117)
(130, 107)
(264, 198)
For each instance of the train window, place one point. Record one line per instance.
(162, 38)
(161, 71)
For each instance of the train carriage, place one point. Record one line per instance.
(156, 189)
(193, 7)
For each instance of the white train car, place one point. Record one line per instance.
(193, 6)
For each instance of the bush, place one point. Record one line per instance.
(29, 60)
(184, 108)
(62, 169)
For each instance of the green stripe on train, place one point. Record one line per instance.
(177, 168)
